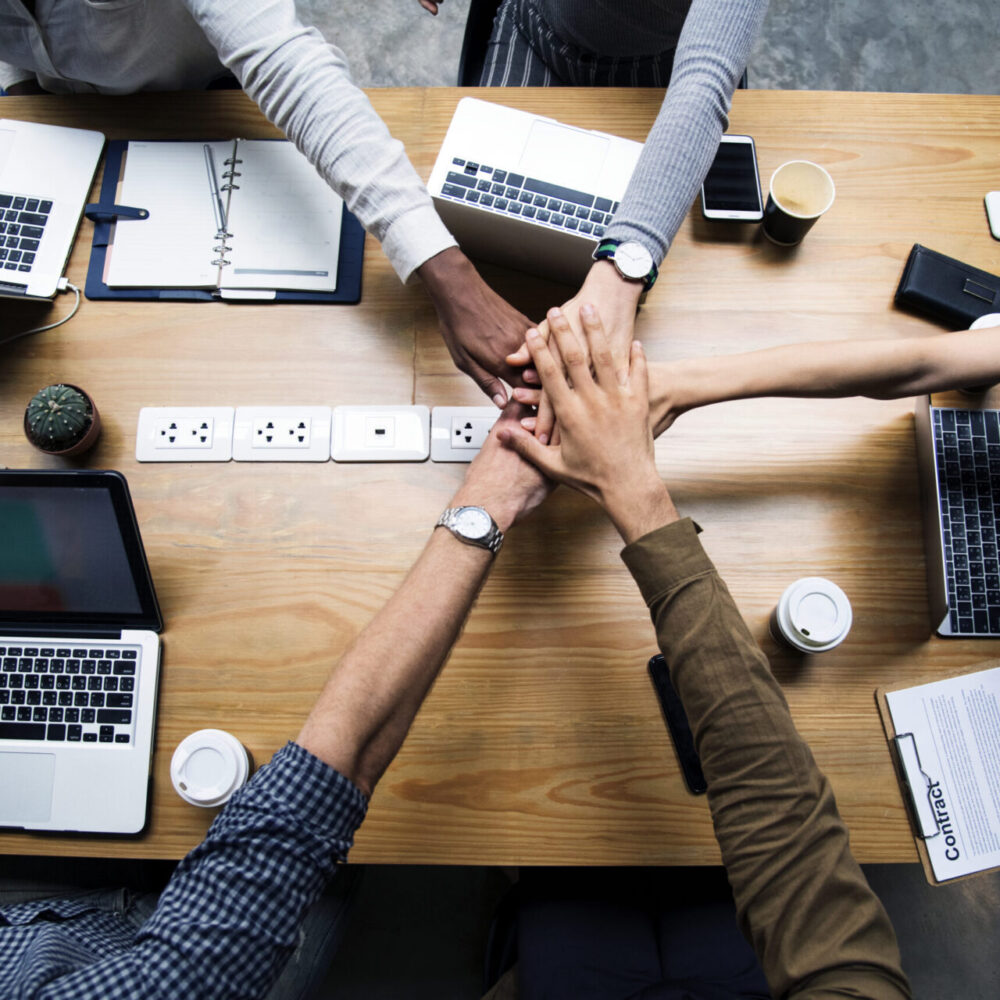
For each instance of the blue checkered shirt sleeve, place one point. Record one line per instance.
(229, 918)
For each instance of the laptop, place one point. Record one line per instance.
(528, 192)
(79, 654)
(958, 456)
(46, 172)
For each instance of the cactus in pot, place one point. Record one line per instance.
(62, 419)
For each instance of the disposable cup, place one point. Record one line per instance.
(812, 615)
(209, 766)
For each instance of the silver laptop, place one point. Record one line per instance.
(528, 192)
(958, 456)
(46, 172)
(79, 654)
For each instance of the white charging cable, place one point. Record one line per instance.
(63, 285)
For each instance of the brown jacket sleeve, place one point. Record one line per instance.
(803, 902)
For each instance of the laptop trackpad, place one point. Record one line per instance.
(564, 155)
(26, 787)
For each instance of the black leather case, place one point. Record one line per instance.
(946, 289)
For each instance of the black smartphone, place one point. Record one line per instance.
(677, 723)
(731, 191)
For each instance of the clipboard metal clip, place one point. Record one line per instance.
(921, 805)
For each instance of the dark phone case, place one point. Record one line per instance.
(946, 289)
(677, 723)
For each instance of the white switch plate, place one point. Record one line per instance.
(457, 432)
(184, 434)
(381, 433)
(282, 434)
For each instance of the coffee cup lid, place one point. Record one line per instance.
(208, 766)
(985, 321)
(817, 612)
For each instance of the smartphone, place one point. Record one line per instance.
(677, 722)
(731, 191)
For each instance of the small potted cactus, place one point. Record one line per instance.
(62, 420)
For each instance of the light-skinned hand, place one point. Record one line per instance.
(500, 480)
(606, 447)
(616, 300)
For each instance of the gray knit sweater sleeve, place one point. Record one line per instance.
(711, 54)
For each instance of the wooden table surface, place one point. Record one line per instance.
(542, 741)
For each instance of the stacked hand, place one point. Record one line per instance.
(500, 480)
(605, 449)
(616, 299)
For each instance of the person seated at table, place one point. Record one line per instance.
(880, 369)
(230, 916)
(697, 49)
(302, 84)
(801, 900)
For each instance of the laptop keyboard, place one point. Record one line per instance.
(967, 450)
(528, 198)
(22, 222)
(67, 694)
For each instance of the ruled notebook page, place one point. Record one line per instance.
(173, 248)
(285, 222)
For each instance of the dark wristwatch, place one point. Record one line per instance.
(633, 260)
(472, 525)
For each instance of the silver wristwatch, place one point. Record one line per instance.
(472, 525)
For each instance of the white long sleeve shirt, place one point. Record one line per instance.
(300, 81)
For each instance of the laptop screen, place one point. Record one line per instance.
(70, 553)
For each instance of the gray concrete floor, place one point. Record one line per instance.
(419, 933)
(922, 46)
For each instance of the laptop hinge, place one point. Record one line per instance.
(59, 633)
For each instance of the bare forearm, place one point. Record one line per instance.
(882, 369)
(373, 694)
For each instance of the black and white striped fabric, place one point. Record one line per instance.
(525, 51)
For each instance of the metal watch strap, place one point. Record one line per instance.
(490, 542)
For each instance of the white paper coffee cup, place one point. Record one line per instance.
(812, 616)
(208, 767)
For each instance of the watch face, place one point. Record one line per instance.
(633, 260)
(473, 522)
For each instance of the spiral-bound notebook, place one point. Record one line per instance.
(236, 219)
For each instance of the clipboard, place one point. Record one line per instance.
(915, 785)
(105, 212)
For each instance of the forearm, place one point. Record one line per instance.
(882, 369)
(800, 896)
(712, 52)
(373, 694)
(303, 85)
(230, 916)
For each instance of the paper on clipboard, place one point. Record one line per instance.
(948, 740)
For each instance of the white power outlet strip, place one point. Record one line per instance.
(458, 432)
(282, 434)
(381, 433)
(184, 434)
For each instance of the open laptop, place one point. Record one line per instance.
(79, 654)
(46, 172)
(528, 192)
(958, 456)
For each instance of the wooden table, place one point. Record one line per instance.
(541, 742)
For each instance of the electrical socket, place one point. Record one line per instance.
(184, 434)
(458, 432)
(282, 434)
(381, 433)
